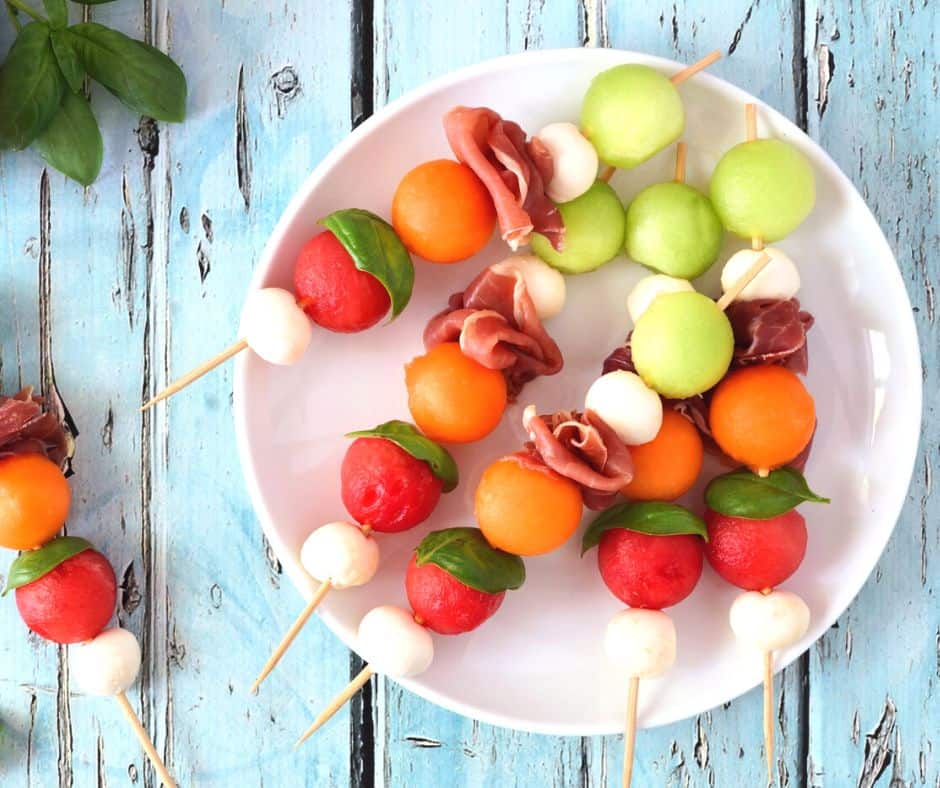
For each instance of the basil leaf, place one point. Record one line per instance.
(745, 494)
(466, 555)
(144, 78)
(57, 12)
(72, 69)
(376, 249)
(34, 564)
(405, 435)
(646, 517)
(72, 142)
(31, 87)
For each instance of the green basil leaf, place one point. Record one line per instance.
(71, 66)
(34, 564)
(745, 494)
(418, 446)
(646, 517)
(376, 249)
(465, 554)
(72, 142)
(58, 13)
(31, 87)
(144, 78)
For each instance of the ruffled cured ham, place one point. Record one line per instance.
(496, 324)
(25, 428)
(583, 448)
(515, 172)
(770, 331)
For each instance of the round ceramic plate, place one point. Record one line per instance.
(538, 664)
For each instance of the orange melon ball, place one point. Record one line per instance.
(34, 501)
(442, 211)
(452, 398)
(668, 465)
(762, 416)
(524, 509)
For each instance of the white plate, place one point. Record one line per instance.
(538, 664)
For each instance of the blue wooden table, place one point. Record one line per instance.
(109, 292)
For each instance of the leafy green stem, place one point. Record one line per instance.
(19, 5)
(14, 19)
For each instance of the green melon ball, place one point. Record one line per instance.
(682, 344)
(672, 228)
(594, 226)
(630, 113)
(763, 188)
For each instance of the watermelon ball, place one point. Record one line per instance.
(71, 603)
(385, 487)
(333, 292)
(648, 571)
(445, 605)
(755, 554)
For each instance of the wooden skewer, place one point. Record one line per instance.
(743, 281)
(681, 149)
(629, 730)
(144, 739)
(197, 373)
(750, 123)
(337, 703)
(298, 624)
(769, 714)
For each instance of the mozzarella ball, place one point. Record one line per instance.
(641, 642)
(649, 288)
(574, 161)
(107, 664)
(544, 284)
(275, 327)
(627, 405)
(768, 622)
(778, 279)
(341, 553)
(393, 643)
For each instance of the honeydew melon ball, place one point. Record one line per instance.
(682, 344)
(672, 228)
(763, 188)
(594, 228)
(630, 113)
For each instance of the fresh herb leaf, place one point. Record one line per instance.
(57, 12)
(68, 61)
(418, 446)
(31, 87)
(745, 494)
(72, 142)
(144, 78)
(466, 555)
(34, 564)
(646, 517)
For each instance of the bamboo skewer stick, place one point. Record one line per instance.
(769, 714)
(141, 734)
(629, 730)
(681, 150)
(197, 373)
(743, 281)
(337, 703)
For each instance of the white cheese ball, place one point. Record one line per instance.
(768, 622)
(778, 279)
(393, 643)
(107, 664)
(341, 553)
(641, 642)
(544, 284)
(275, 327)
(627, 405)
(574, 161)
(649, 288)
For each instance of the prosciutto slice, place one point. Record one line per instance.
(514, 171)
(770, 331)
(495, 322)
(25, 428)
(580, 447)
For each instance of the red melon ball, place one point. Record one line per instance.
(649, 571)
(755, 554)
(333, 292)
(385, 487)
(445, 605)
(73, 602)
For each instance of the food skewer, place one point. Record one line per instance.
(155, 760)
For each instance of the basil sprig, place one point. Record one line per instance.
(376, 249)
(466, 555)
(34, 564)
(646, 517)
(745, 494)
(407, 437)
(43, 75)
